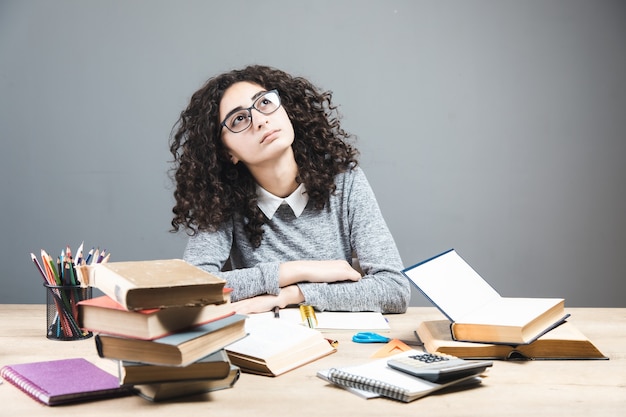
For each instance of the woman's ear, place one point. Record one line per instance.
(233, 159)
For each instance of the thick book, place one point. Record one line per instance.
(139, 285)
(274, 347)
(563, 342)
(478, 313)
(105, 315)
(179, 389)
(178, 349)
(213, 366)
(377, 378)
(63, 381)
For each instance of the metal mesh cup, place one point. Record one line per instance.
(62, 311)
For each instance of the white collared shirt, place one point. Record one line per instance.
(269, 203)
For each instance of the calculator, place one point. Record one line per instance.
(438, 367)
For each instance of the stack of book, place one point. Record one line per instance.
(483, 324)
(166, 323)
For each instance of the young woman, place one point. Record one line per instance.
(267, 180)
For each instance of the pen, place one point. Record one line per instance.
(276, 312)
(308, 315)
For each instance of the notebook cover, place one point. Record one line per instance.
(62, 381)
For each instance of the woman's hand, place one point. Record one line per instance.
(262, 303)
(259, 304)
(316, 271)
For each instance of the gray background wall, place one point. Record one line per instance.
(494, 127)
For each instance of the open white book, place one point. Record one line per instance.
(275, 346)
(334, 320)
(477, 311)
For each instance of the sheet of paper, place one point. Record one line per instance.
(334, 320)
(452, 285)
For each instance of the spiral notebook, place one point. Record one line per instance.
(375, 378)
(63, 381)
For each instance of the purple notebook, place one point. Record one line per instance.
(63, 381)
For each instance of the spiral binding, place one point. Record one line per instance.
(367, 384)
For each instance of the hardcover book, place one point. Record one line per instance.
(563, 342)
(274, 347)
(140, 285)
(478, 313)
(178, 349)
(173, 390)
(105, 315)
(213, 366)
(63, 381)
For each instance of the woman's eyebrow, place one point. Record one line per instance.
(257, 95)
(253, 98)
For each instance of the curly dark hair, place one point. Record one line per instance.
(210, 189)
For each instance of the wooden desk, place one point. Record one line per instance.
(537, 388)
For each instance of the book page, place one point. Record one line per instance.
(451, 284)
(506, 311)
(267, 338)
(336, 320)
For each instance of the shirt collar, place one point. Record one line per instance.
(269, 203)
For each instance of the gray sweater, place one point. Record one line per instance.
(352, 222)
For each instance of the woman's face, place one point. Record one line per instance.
(268, 137)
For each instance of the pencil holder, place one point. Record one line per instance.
(62, 311)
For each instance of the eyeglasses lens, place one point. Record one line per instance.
(239, 121)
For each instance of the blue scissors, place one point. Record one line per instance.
(369, 337)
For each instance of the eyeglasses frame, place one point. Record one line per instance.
(249, 110)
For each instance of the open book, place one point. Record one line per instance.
(562, 342)
(275, 346)
(477, 311)
(334, 320)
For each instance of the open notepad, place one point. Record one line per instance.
(335, 320)
(374, 379)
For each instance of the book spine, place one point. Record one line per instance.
(24, 384)
(111, 283)
(346, 379)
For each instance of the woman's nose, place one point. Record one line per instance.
(259, 119)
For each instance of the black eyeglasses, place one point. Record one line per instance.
(240, 119)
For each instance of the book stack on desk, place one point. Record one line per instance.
(483, 324)
(166, 322)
